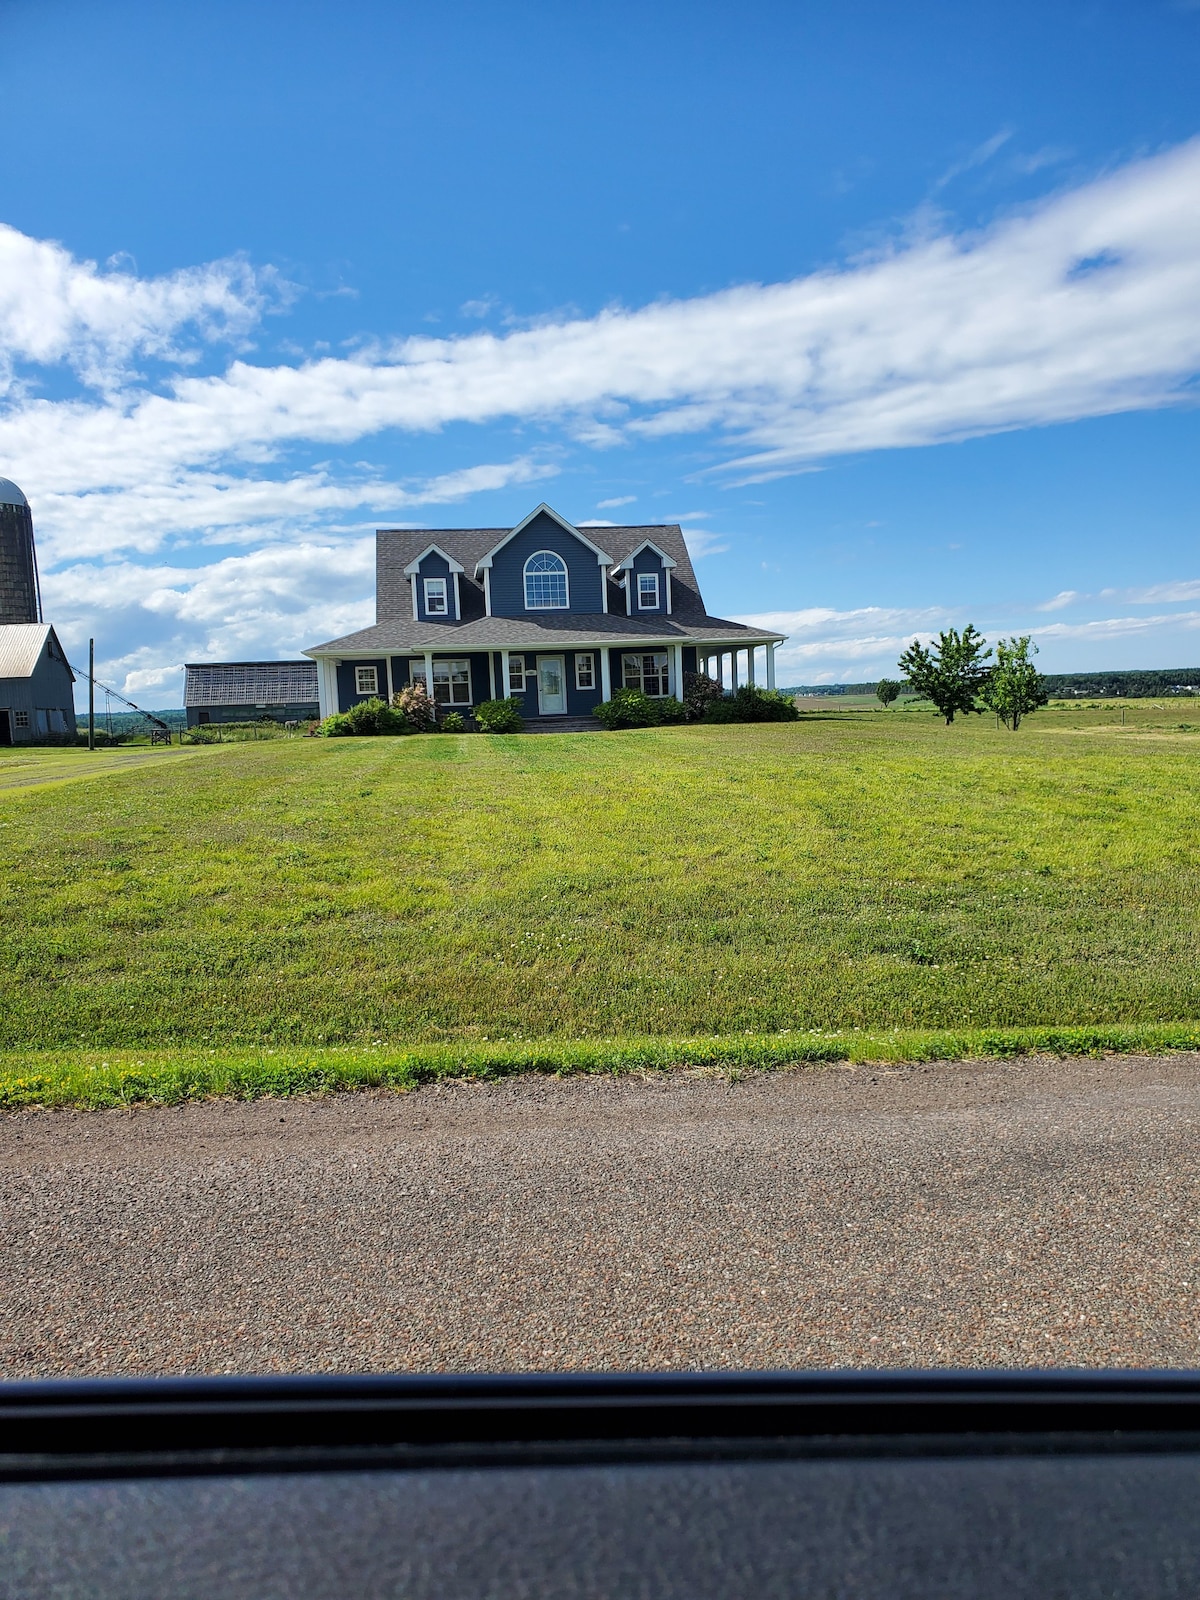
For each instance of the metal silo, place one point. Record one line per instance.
(20, 593)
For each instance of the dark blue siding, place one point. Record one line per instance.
(348, 695)
(582, 701)
(435, 566)
(647, 561)
(543, 533)
(690, 663)
(480, 684)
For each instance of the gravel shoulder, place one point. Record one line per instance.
(1032, 1212)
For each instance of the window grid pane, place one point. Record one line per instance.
(545, 582)
(366, 680)
(585, 672)
(648, 591)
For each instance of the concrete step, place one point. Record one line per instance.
(561, 725)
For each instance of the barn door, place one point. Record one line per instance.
(5, 725)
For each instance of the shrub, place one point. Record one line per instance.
(452, 722)
(367, 717)
(699, 692)
(499, 716)
(628, 708)
(671, 710)
(752, 704)
(414, 705)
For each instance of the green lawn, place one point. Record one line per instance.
(473, 896)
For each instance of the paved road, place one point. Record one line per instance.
(1036, 1213)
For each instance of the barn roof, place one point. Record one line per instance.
(249, 683)
(21, 647)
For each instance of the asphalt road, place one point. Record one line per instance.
(1040, 1212)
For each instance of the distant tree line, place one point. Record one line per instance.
(1134, 685)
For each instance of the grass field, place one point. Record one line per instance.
(751, 891)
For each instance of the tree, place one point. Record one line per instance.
(952, 673)
(1014, 687)
(886, 691)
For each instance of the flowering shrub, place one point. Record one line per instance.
(699, 692)
(415, 706)
(499, 716)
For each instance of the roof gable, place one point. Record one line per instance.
(414, 566)
(646, 544)
(22, 645)
(602, 556)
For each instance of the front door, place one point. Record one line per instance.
(552, 687)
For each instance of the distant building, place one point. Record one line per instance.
(245, 691)
(37, 687)
(20, 594)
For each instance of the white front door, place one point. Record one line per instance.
(552, 686)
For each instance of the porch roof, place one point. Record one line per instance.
(398, 635)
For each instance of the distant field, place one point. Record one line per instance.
(853, 871)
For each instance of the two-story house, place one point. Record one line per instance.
(556, 615)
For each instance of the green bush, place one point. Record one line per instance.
(752, 704)
(671, 710)
(699, 692)
(452, 722)
(367, 717)
(628, 708)
(499, 716)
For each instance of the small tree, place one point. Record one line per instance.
(887, 690)
(1015, 687)
(952, 673)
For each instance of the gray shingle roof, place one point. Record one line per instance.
(249, 683)
(547, 633)
(21, 646)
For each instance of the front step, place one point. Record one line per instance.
(561, 725)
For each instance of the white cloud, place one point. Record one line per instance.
(1064, 598)
(1120, 627)
(617, 500)
(54, 308)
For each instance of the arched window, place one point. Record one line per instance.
(545, 582)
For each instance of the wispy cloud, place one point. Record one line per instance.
(617, 500)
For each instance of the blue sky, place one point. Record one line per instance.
(897, 309)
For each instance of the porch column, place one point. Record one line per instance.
(491, 674)
(770, 666)
(605, 674)
(390, 685)
(677, 671)
(733, 683)
(750, 664)
(429, 673)
(505, 680)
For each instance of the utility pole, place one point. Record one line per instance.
(91, 694)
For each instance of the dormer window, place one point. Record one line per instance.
(545, 582)
(435, 597)
(647, 591)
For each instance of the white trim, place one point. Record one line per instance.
(487, 591)
(585, 688)
(367, 666)
(605, 673)
(677, 671)
(770, 666)
(604, 590)
(668, 572)
(505, 678)
(429, 673)
(628, 587)
(414, 567)
(412, 584)
(491, 674)
(562, 678)
(458, 600)
(513, 657)
(429, 612)
(750, 649)
(602, 556)
(327, 699)
(657, 601)
(525, 576)
(387, 664)
(646, 544)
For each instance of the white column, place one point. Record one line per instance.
(327, 697)
(677, 671)
(429, 673)
(390, 686)
(505, 680)
(733, 683)
(750, 664)
(770, 666)
(492, 674)
(605, 674)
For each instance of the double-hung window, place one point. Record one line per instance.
(436, 604)
(366, 680)
(516, 674)
(647, 591)
(585, 670)
(451, 681)
(546, 582)
(646, 672)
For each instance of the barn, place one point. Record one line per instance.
(37, 686)
(247, 691)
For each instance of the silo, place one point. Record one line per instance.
(20, 594)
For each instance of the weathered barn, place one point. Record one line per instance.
(37, 686)
(246, 691)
